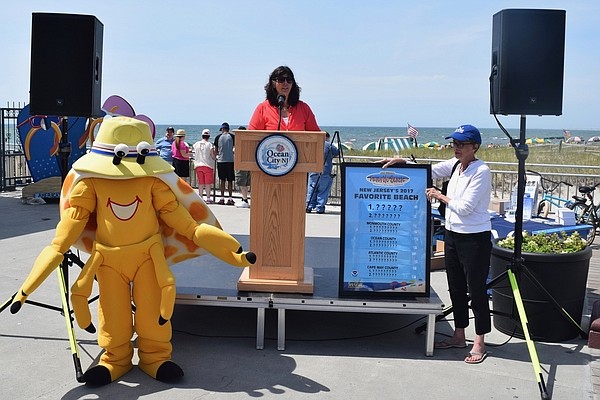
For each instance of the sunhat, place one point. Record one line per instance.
(129, 136)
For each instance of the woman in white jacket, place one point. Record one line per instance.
(467, 239)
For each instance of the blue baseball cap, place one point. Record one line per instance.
(224, 125)
(466, 133)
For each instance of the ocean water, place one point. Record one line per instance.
(358, 136)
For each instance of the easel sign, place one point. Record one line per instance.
(385, 231)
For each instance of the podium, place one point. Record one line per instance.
(278, 211)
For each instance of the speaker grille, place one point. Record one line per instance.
(528, 49)
(66, 60)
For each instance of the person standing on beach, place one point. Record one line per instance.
(223, 149)
(295, 114)
(163, 145)
(242, 180)
(204, 161)
(181, 155)
(468, 242)
(319, 184)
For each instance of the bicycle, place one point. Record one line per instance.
(548, 199)
(587, 210)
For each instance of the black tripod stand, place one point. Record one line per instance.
(64, 152)
(335, 139)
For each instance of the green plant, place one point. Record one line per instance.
(544, 243)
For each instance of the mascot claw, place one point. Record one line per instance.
(18, 302)
(250, 257)
(90, 328)
(15, 307)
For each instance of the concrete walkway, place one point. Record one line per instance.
(328, 355)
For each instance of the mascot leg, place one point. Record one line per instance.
(154, 340)
(115, 327)
(222, 245)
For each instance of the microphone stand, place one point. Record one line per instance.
(279, 121)
(280, 102)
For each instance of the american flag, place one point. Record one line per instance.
(412, 131)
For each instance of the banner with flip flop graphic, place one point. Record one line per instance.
(40, 137)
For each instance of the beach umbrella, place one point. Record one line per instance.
(534, 140)
(594, 139)
(372, 146)
(346, 145)
(431, 144)
(574, 139)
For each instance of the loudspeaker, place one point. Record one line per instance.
(528, 49)
(66, 65)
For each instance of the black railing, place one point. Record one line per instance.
(13, 165)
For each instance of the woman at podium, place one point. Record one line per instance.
(283, 110)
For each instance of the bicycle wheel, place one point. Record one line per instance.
(543, 209)
(590, 219)
(579, 209)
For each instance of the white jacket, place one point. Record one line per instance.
(469, 192)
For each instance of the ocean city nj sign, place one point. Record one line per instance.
(276, 155)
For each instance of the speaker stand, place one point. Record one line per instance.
(64, 152)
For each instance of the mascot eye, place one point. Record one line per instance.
(143, 148)
(121, 151)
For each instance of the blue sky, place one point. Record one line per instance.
(359, 63)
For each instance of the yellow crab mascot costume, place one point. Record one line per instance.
(124, 205)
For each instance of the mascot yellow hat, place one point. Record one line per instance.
(123, 149)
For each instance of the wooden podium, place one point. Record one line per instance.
(278, 213)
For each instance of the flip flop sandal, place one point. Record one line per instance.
(482, 356)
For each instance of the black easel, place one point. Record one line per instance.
(335, 139)
(64, 152)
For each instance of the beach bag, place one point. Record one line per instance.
(442, 206)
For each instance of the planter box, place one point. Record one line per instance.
(564, 276)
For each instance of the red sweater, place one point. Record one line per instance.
(266, 116)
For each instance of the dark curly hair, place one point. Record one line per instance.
(282, 71)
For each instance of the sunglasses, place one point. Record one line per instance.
(282, 79)
(460, 145)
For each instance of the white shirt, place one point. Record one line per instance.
(469, 192)
(203, 154)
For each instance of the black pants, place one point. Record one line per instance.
(182, 167)
(467, 257)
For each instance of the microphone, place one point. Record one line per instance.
(280, 100)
